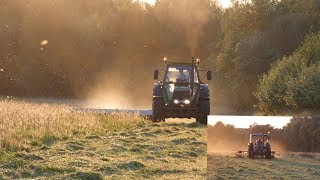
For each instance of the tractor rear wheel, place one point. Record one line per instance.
(157, 111)
(250, 154)
(268, 151)
(204, 111)
(268, 155)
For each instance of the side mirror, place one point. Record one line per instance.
(155, 74)
(209, 75)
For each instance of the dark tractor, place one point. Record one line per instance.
(259, 146)
(181, 93)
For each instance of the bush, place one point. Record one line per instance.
(293, 83)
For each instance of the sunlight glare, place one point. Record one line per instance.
(152, 2)
(223, 3)
(246, 121)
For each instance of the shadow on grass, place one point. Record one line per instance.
(86, 175)
(132, 166)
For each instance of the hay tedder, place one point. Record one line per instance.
(259, 146)
(180, 93)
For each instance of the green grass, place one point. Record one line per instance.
(28, 123)
(132, 153)
(285, 166)
(86, 146)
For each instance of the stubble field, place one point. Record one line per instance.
(47, 140)
(286, 165)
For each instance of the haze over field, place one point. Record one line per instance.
(54, 55)
(298, 135)
(91, 49)
(223, 3)
(292, 145)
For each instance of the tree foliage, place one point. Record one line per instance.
(111, 42)
(293, 83)
(254, 36)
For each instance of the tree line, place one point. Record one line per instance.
(118, 43)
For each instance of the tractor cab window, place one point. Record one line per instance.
(178, 74)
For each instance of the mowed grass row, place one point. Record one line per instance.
(284, 166)
(23, 124)
(48, 141)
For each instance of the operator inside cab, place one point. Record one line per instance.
(259, 143)
(184, 76)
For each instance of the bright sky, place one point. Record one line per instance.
(246, 121)
(224, 3)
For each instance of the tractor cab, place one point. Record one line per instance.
(259, 140)
(180, 92)
(181, 83)
(259, 145)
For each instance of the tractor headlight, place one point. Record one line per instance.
(187, 101)
(176, 101)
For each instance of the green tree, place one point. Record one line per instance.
(292, 84)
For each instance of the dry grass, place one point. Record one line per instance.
(23, 122)
(46, 140)
(284, 166)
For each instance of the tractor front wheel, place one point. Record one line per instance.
(204, 111)
(268, 155)
(157, 111)
(250, 154)
(268, 151)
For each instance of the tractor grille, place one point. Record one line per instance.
(181, 95)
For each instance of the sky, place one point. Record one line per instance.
(246, 121)
(224, 3)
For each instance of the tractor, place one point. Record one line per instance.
(259, 146)
(181, 93)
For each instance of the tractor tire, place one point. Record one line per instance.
(250, 153)
(250, 150)
(204, 111)
(157, 111)
(268, 151)
(268, 155)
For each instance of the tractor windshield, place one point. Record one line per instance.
(180, 74)
(255, 138)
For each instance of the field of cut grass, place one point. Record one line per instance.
(47, 140)
(284, 166)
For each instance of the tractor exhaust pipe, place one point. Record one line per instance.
(192, 77)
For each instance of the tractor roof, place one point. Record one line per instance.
(259, 134)
(180, 64)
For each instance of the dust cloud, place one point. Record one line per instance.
(229, 146)
(110, 92)
(189, 17)
(103, 51)
(227, 138)
(278, 146)
(226, 146)
(114, 90)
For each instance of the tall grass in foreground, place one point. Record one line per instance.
(23, 124)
